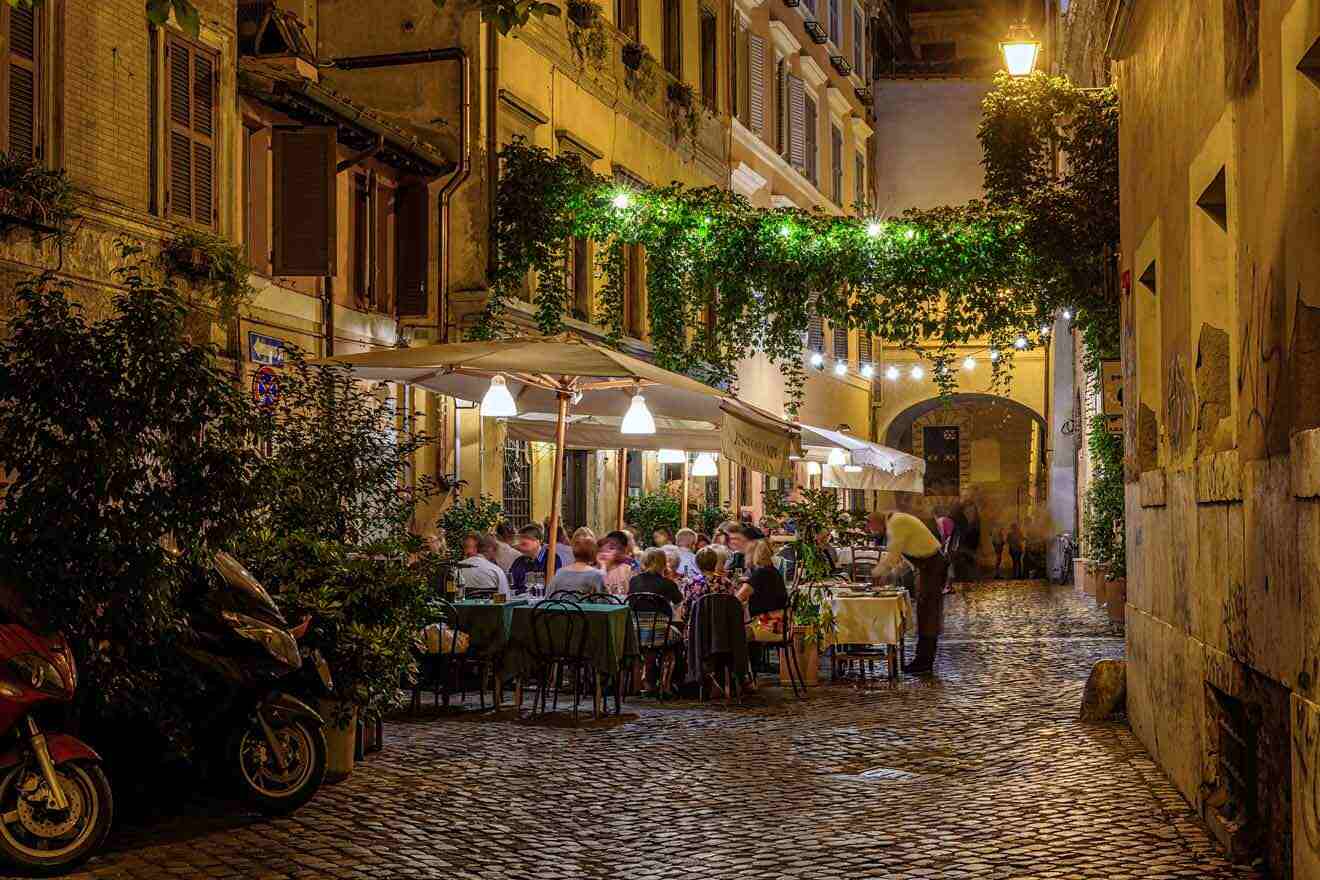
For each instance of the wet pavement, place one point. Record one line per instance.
(981, 771)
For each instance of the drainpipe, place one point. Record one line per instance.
(492, 139)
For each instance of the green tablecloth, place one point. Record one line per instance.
(611, 638)
(488, 625)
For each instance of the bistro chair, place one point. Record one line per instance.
(602, 599)
(783, 643)
(653, 617)
(863, 563)
(566, 596)
(559, 643)
(706, 643)
(438, 670)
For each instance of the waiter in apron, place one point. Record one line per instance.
(908, 539)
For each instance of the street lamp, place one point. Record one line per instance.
(1021, 49)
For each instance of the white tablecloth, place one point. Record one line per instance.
(870, 620)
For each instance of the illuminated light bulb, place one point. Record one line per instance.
(840, 368)
(910, 234)
(868, 371)
(874, 229)
(813, 469)
(1020, 342)
(672, 456)
(705, 466)
(817, 359)
(918, 373)
(1067, 314)
(785, 231)
(622, 201)
(1044, 330)
(852, 468)
(969, 363)
(837, 458)
(891, 373)
(498, 402)
(994, 355)
(638, 419)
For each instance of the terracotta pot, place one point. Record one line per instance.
(808, 657)
(1079, 574)
(583, 14)
(340, 739)
(1115, 599)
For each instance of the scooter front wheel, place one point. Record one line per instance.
(274, 787)
(42, 839)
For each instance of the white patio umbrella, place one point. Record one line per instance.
(873, 466)
(563, 376)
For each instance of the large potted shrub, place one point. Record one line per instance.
(1102, 519)
(814, 513)
(654, 510)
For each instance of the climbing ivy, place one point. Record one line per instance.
(997, 270)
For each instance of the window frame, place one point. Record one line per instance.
(708, 45)
(38, 66)
(671, 48)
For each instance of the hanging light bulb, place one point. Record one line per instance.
(1067, 314)
(1020, 342)
(672, 456)
(1044, 330)
(813, 469)
(868, 371)
(873, 229)
(638, 419)
(891, 373)
(969, 363)
(840, 368)
(817, 359)
(498, 402)
(622, 201)
(705, 466)
(918, 373)
(994, 355)
(838, 458)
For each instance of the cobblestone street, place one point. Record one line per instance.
(982, 771)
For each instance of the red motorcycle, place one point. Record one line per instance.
(55, 801)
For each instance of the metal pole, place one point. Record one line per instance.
(683, 504)
(623, 486)
(557, 490)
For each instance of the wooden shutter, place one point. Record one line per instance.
(673, 38)
(756, 72)
(797, 127)
(412, 224)
(362, 239)
(836, 24)
(859, 44)
(22, 83)
(629, 20)
(709, 50)
(816, 333)
(305, 218)
(191, 107)
(836, 164)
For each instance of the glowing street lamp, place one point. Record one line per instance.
(1021, 49)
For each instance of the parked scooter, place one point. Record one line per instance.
(272, 742)
(55, 800)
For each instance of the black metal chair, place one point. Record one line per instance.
(787, 649)
(559, 643)
(602, 599)
(653, 617)
(438, 670)
(706, 612)
(566, 596)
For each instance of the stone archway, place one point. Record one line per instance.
(999, 460)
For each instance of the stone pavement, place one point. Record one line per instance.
(982, 771)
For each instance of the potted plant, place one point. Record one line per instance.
(587, 36)
(814, 513)
(634, 54)
(654, 510)
(210, 264)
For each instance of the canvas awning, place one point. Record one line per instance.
(883, 468)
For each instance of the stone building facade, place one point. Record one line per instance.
(1220, 106)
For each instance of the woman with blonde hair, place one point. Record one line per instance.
(764, 593)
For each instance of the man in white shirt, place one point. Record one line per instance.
(481, 575)
(908, 540)
(686, 540)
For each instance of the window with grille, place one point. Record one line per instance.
(517, 483)
(836, 164)
(811, 147)
(840, 342)
(865, 350)
(191, 107)
(709, 66)
(836, 24)
(673, 38)
(20, 80)
(816, 333)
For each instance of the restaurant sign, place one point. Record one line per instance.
(757, 447)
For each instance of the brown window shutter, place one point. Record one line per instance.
(21, 110)
(756, 96)
(191, 99)
(362, 238)
(412, 219)
(304, 200)
(629, 20)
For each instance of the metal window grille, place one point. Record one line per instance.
(517, 483)
(840, 343)
(816, 333)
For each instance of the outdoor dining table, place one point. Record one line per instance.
(611, 641)
(871, 619)
(488, 626)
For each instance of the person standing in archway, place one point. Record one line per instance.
(1015, 543)
(908, 538)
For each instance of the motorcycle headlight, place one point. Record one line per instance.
(279, 643)
(40, 674)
